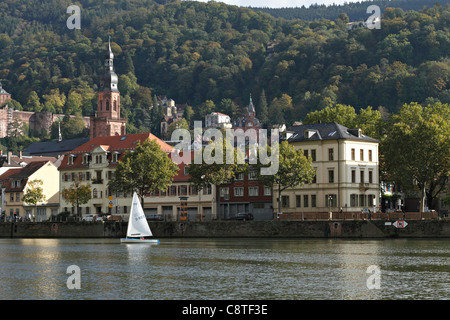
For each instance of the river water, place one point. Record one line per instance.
(225, 269)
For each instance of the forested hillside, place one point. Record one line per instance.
(355, 10)
(212, 56)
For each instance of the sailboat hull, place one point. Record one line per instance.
(136, 240)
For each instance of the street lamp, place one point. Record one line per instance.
(330, 198)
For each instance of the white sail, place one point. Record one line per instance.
(137, 223)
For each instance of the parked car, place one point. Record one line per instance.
(92, 217)
(155, 216)
(243, 216)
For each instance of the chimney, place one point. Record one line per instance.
(20, 154)
(9, 157)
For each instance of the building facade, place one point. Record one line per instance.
(93, 163)
(14, 184)
(346, 164)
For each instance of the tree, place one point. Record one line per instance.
(77, 194)
(263, 113)
(33, 103)
(145, 170)
(294, 169)
(34, 193)
(417, 149)
(215, 168)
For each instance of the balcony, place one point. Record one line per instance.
(97, 181)
(364, 186)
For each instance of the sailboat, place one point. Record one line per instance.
(138, 227)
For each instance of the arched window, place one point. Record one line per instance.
(107, 105)
(115, 105)
(100, 104)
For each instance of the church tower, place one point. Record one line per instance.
(107, 121)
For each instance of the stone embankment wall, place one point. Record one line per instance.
(232, 229)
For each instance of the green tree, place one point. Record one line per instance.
(34, 193)
(77, 194)
(33, 103)
(263, 113)
(294, 169)
(216, 169)
(417, 149)
(145, 170)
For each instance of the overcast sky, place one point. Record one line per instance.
(281, 3)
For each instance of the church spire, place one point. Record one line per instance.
(109, 79)
(251, 108)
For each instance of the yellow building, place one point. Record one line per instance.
(346, 164)
(14, 184)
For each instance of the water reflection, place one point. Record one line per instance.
(224, 269)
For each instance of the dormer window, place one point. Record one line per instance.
(115, 156)
(86, 158)
(70, 159)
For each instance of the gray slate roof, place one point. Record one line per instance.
(326, 131)
(54, 148)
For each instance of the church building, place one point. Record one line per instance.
(106, 121)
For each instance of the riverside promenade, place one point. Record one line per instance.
(430, 228)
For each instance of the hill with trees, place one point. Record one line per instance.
(212, 56)
(356, 11)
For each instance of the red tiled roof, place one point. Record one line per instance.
(21, 174)
(112, 143)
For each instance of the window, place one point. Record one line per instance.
(267, 191)
(186, 170)
(313, 200)
(173, 190)
(11, 197)
(285, 201)
(183, 190)
(98, 159)
(353, 176)
(224, 191)
(331, 176)
(313, 154)
(314, 179)
(252, 175)
(331, 154)
(361, 175)
(305, 153)
(107, 105)
(207, 189)
(17, 196)
(85, 158)
(70, 160)
(238, 191)
(362, 201)
(370, 177)
(253, 191)
(298, 201)
(240, 176)
(353, 200)
(305, 201)
(353, 154)
(370, 155)
(115, 157)
(361, 154)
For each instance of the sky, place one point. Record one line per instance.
(281, 3)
